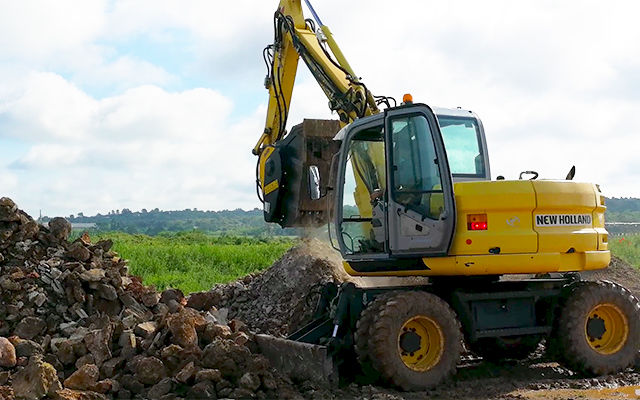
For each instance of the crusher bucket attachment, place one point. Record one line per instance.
(299, 361)
(290, 204)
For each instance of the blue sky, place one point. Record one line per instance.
(143, 104)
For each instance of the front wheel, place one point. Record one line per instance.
(415, 340)
(599, 329)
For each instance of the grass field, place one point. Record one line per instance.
(627, 248)
(194, 261)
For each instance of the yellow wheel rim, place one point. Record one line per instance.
(606, 328)
(420, 343)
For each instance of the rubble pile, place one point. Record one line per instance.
(75, 325)
(281, 299)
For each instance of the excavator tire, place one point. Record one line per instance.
(361, 337)
(598, 331)
(415, 340)
(505, 348)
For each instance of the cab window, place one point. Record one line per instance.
(462, 140)
(415, 173)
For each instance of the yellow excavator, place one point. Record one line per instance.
(407, 191)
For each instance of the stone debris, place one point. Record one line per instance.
(71, 313)
(84, 378)
(7, 353)
(36, 380)
(279, 300)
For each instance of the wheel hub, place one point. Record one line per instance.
(606, 328)
(410, 342)
(420, 343)
(595, 328)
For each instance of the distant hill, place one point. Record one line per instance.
(623, 209)
(231, 222)
(251, 223)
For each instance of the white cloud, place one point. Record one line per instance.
(8, 180)
(122, 73)
(36, 30)
(221, 21)
(47, 107)
(146, 147)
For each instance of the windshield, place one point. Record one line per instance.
(462, 140)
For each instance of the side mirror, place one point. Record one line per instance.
(314, 182)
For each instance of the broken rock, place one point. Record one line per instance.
(7, 353)
(77, 251)
(183, 328)
(150, 370)
(60, 228)
(98, 343)
(65, 353)
(84, 378)
(107, 292)
(29, 327)
(212, 375)
(172, 294)
(146, 329)
(203, 390)
(160, 389)
(250, 381)
(70, 394)
(203, 301)
(186, 372)
(111, 367)
(93, 275)
(35, 381)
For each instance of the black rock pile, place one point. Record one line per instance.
(75, 325)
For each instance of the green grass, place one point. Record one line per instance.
(194, 261)
(626, 247)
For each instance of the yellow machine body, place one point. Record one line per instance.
(533, 227)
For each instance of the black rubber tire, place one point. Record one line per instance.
(571, 341)
(553, 347)
(510, 348)
(361, 338)
(383, 340)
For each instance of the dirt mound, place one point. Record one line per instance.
(281, 299)
(74, 324)
(620, 272)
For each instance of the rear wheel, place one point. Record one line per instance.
(599, 329)
(505, 348)
(415, 340)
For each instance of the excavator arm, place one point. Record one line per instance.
(295, 38)
(283, 157)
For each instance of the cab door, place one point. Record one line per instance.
(421, 208)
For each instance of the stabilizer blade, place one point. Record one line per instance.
(299, 361)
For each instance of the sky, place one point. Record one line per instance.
(111, 104)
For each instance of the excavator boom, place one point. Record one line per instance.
(284, 158)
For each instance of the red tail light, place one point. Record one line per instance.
(477, 222)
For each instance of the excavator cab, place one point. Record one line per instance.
(394, 194)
